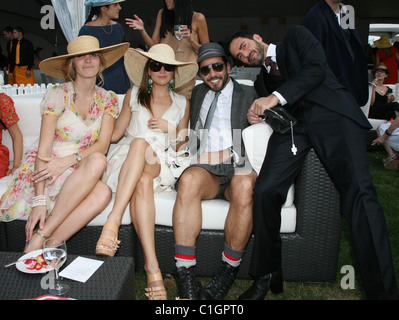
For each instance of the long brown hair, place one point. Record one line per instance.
(143, 96)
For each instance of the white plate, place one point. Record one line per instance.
(21, 266)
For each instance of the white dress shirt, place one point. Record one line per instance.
(219, 137)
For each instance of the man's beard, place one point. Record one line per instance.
(259, 50)
(225, 79)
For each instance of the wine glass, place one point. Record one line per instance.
(55, 254)
(178, 36)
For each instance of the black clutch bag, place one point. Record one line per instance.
(279, 119)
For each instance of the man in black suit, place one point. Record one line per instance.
(330, 122)
(345, 55)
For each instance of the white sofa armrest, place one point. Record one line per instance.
(256, 138)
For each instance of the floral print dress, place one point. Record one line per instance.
(72, 134)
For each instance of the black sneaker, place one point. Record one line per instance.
(187, 284)
(221, 283)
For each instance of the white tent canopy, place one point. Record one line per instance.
(71, 15)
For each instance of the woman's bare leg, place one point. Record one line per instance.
(73, 192)
(142, 211)
(130, 173)
(140, 156)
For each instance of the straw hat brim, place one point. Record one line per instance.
(135, 61)
(382, 43)
(54, 66)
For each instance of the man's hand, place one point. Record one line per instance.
(259, 106)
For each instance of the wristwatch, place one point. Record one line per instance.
(78, 157)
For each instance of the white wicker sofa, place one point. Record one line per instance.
(311, 223)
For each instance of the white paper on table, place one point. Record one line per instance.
(81, 269)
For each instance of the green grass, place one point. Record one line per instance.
(387, 185)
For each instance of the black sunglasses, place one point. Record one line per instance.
(156, 66)
(381, 70)
(217, 66)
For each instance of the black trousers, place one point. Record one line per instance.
(340, 144)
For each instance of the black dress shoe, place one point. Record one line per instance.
(261, 286)
(221, 283)
(187, 284)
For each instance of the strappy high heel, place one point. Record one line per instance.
(155, 292)
(36, 231)
(392, 163)
(108, 244)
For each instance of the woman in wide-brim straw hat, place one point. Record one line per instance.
(101, 23)
(153, 119)
(59, 183)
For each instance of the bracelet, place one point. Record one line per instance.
(176, 141)
(39, 201)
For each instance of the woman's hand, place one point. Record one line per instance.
(159, 125)
(186, 33)
(136, 23)
(391, 97)
(38, 214)
(53, 168)
(378, 141)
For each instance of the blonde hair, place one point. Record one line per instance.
(70, 72)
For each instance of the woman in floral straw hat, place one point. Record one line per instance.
(100, 24)
(59, 182)
(388, 55)
(153, 124)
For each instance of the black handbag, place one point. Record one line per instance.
(279, 119)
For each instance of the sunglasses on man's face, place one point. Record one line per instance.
(156, 66)
(217, 66)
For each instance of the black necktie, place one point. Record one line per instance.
(273, 66)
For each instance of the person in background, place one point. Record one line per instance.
(22, 59)
(213, 174)
(9, 121)
(382, 102)
(58, 185)
(101, 24)
(389, 55)
(345, 53)
(8, 34)
(194, 31)
(151, 127)
(388, 136)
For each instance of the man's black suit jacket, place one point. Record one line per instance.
(344, 50)
(302, 62)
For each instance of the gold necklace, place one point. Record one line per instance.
(381, 91)
(106, 31)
